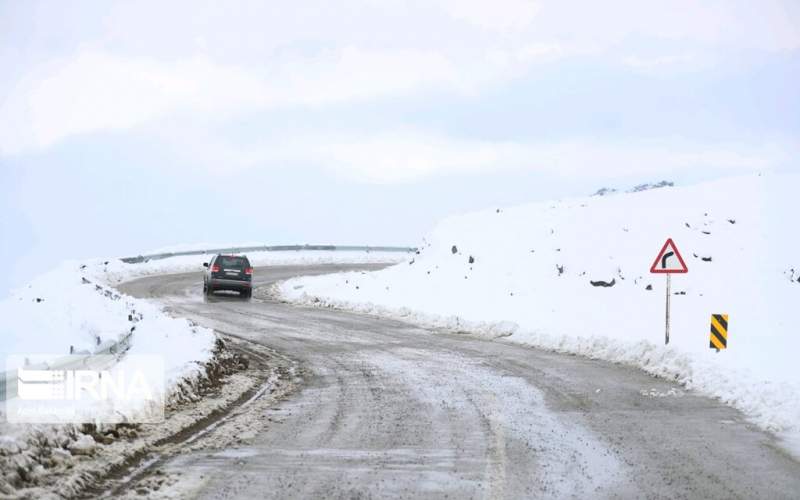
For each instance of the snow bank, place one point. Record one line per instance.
(525, 273)
(73, 309)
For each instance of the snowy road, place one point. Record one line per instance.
(387, 409)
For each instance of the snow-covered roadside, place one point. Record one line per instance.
(525, 273)
(75, 308)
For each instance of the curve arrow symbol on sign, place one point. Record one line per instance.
(664, 259)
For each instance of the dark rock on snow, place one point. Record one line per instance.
(647, 186)
(604, 191)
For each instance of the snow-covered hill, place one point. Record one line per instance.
(526, 273)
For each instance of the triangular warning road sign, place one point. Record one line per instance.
(669, 260)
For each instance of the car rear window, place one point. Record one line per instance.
(232, 262)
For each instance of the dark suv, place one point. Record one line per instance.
(228, 272)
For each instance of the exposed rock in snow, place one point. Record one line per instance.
(604, 191)
(648, 186)
(83, 445)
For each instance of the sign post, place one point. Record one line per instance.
(669, 262)
(666, 330)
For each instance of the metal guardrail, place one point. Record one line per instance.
(266, 248)
(9, 380)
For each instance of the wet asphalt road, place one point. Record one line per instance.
(388, 409)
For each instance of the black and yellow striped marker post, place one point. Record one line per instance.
(719, 331)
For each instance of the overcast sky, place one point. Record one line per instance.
(126, 126)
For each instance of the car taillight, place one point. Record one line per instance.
(215, 268)
(249, 271)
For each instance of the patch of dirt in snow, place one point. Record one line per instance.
(60, 461)
(225, 436)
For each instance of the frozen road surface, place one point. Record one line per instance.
(386, 409)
